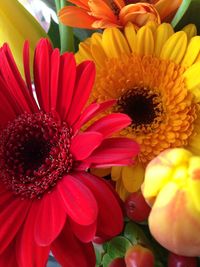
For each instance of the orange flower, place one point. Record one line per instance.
(116, 13)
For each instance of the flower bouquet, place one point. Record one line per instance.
(100, 134)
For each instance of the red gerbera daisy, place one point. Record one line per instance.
(48, 201)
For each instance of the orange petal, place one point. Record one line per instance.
(69, 14)
(120, 3)
(139, 14)
(101, 10)
(103, 24)
(165, 9)
(80, 3)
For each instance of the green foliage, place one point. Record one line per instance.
(106, 260)
(187, 13)
(54, 34)
(135, 234)
(118, 246)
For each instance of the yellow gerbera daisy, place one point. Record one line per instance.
(154, 74)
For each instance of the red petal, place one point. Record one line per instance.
(124, 162)
(14, 81)
(79, 202)
(84, 82)
(8, 257)
(91, 111)
(110, 124)
(42, 73)
(27, 67)
(114, 150)
(12, 215)
(110, 217)
(85, 233)
(54, 78)
(50, 212)
(8, 109)
(84, 144)
(67, 79)
(8, 99)
(70, 252)
(29, 254)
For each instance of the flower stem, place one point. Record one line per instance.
(66, 33)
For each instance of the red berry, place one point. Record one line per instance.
(181, 261)
(139, 256)
(136, 207)
(118, 262)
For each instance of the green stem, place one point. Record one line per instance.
(66, 33)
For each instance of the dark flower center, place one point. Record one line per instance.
(34, 154)
(142, 105)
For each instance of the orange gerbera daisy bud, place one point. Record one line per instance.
(116, 13)
(172, 186)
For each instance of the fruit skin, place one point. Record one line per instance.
(139, 256)
(175, 260)
(136, 207)
(118, 262)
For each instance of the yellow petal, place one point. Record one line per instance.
(144, 41)
(192, 52)
(96, 38)
(84, 52)
(152, 25)
(166, 195)
(100, 172)
(116, 173)
(121, 190)
(161, 169)
(98, 55)
(198, 58)
(175, 47)
(163, 32)
(190, 30)
(133, 177)
(192, 77)
(156, 176)
(114, 43)
(130, 34)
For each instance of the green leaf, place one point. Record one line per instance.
(54, 34)
(105, 246)
(187, 13)
(82, 34)
(118, 246)
(135, 234)
(158, 264)
(106, 260)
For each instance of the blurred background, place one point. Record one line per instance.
(42, 10)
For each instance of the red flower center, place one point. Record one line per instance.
(34, 153)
